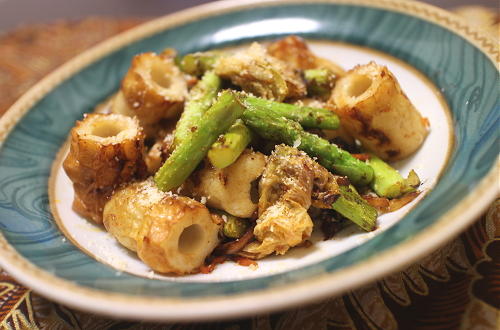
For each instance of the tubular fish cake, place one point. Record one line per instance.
(377, 112)
(170, 233)
(105, 151)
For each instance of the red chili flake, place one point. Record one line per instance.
(207, 269)
(242, 261)
(362, 157)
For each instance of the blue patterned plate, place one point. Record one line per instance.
(451, 55)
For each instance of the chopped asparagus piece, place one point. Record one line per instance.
(198, 63)
(229, 146)
(387, 182)
(352, 206)
(319, 82)
(234, 227)
(289, 132)
(201, 97)
(188, 154)
(308, 117)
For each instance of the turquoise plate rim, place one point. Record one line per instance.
(269, 299)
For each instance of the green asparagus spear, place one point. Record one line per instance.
(198, 63)
(319, 82)
(230, 145)
(352, 206)
(188, 154)
(289, 132)
(201, 97)
(387, 182)
(308, 117)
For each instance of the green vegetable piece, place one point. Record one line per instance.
(308, 117)
(352, 206)
(229, 147)
(197, 64)
(412, 182)
(291, 133)
(234, 227)
(319, 82)
(387, 181)
(200, 98)
(277, 90)
(188, 153)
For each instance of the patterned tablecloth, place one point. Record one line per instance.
(457, 286)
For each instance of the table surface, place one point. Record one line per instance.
(456, 286)
(15, 12)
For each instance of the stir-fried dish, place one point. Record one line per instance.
(239, 155)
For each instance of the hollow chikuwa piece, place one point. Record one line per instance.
(105, 151)
(154, 88)
(375, 110)
(170, 233)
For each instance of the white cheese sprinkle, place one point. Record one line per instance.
(297, 143)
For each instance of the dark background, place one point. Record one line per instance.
(14, 13)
